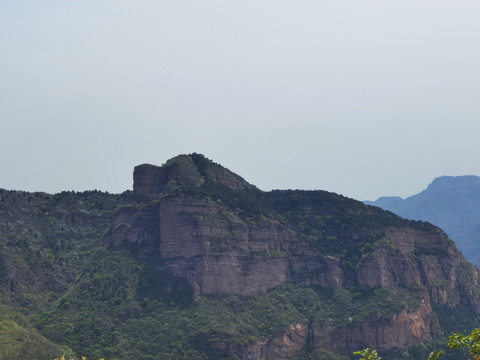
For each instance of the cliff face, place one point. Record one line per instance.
(403, 329)
(196, 218)
(210, 246)
(450, 202)
(414, 258)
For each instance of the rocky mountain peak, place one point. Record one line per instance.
(193, 169)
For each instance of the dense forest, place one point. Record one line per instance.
(195, 263)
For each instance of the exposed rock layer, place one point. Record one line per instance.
(220, 249)
(450, 202)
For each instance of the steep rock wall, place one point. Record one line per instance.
(409, 327)
(218, 249)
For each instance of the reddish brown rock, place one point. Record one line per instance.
(192, 169)
(409, 327)
(219, 250)
(289, 344)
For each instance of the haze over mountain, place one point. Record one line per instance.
(196, 263)
(449, 202)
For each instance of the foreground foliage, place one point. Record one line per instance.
(470, 342)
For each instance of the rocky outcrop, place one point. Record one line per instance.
(191, 169)
(412, 258)
(409, 327)
(289, 344)
(219, 248)
(205, 243)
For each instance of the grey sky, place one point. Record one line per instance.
(363, 98)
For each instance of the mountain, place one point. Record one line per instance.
(196, 263)
(451, 203)
(45, 241)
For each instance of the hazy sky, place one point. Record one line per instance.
(363, 98)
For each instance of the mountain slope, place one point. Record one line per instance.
(239, 273)
(45, 240)
(198, 264)
(452, 203)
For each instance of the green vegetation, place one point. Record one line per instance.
(19, 340)
(62, 291)
(470, 342)
(367, 354)
(46, 241)
(157, 327)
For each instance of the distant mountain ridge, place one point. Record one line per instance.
(449, 202)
